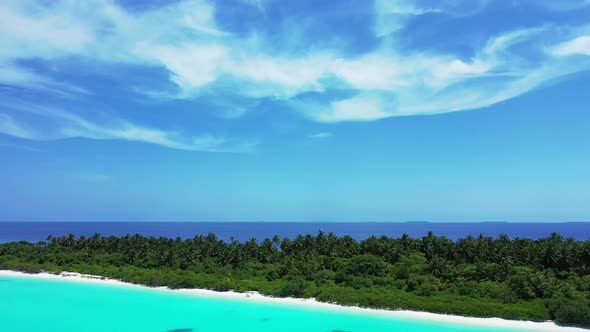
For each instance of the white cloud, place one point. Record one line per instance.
(579, 45)
(448, 72)
(101, 30)
(357, 108)
(8, 126)
(192, 66)
(393, 15)
(29, 29)
(69, 125)
(373, 71)
(15, 75)
(438, 83)
(184, 38)
(279, 77)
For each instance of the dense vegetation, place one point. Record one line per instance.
(476, 276)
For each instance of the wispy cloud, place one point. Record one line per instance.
(357, 108)
(8, 126)
(579, 46)
(200, 57)
(393, 15)
(60, 124)
(17, 76)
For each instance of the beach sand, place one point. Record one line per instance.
(257, 297)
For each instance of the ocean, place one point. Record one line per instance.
(32, 305)
(38, 231)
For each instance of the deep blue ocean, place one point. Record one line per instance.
(38, 231)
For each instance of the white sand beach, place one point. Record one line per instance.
(254, 296)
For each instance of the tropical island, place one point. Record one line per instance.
(522, 279)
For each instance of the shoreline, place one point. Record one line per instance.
(310, 303)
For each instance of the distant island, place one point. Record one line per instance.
(525, 279)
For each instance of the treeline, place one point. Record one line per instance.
(478, 276)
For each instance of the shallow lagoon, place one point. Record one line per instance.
(32, 305)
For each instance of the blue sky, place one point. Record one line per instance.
(267, 110)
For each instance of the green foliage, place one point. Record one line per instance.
(295, 287)
(410, 265)
(525, 283)
(223, 285)
(476, 276)
(576, 312)
(366, 265)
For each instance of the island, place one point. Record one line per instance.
(520, 278)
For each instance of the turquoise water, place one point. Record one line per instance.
(31, 305)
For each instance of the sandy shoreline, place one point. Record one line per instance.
(256, 297)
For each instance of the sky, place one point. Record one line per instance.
(268, 110)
